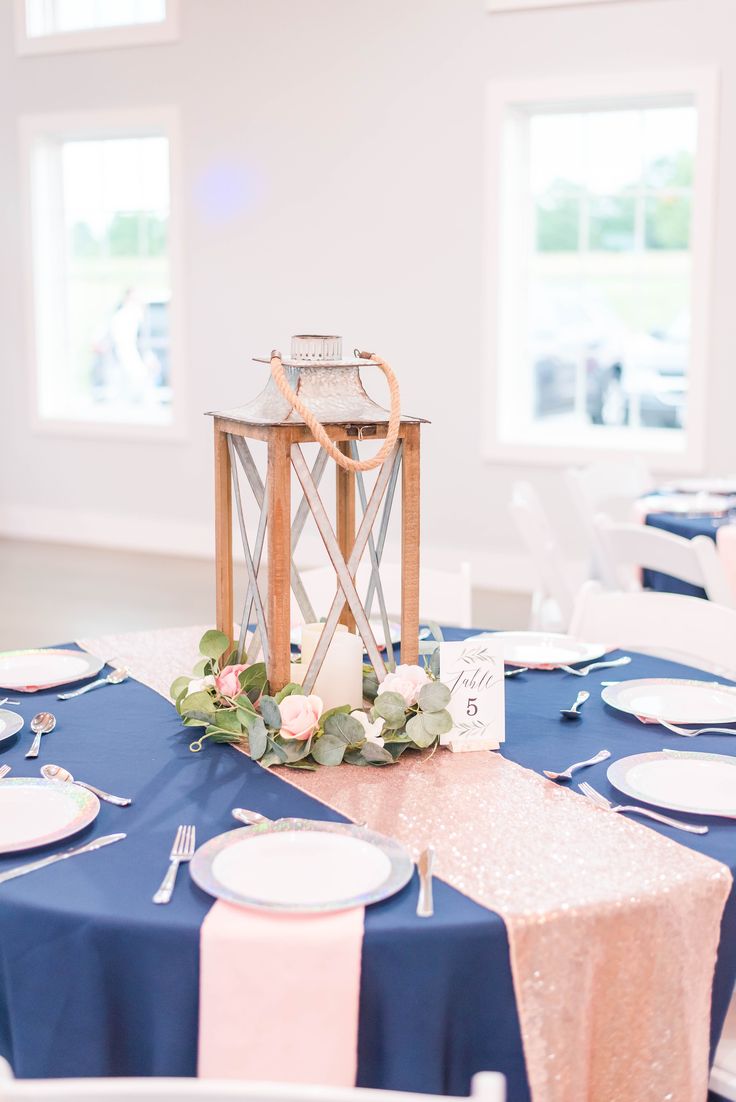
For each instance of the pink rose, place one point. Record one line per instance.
(299, 716)
(406, 681)
(226, 681)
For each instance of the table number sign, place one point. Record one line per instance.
(474, 673)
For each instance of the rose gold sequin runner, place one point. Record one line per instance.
(613, 928)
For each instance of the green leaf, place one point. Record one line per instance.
(257, 738)
(434, 697)
(203, 668)
(218, 735)
(198, 702)
(292, 689)
(302, 765)
(178, 687)
(253, 677)
(396, 749)
(376, 755)
(391, 707)
(213, 644)
(227, 721)
(370, 685)
(271, 758)
(270, 712)
(328, 749)
(344, 727)
(437, 723)
(342, 709)
(197, 719)
(434, 663)
(245, 710)
(294, 749)
(420, 736)
(355, 757)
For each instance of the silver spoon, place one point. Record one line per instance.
(250, 818)
(57, 773)
(4, 770)
(518, 670)
(113, 678)
(41, 724)
(566, 774)
(574, 713)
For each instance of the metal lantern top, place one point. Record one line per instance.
(327, 383)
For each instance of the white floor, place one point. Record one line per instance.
(53, 593)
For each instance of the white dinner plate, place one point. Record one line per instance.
(27, 671)
(10, 724)
(543, 649)
(673, 699)
(35, 812)
(679, 781)
(685, 504)
(376, 628)
(725, 486)
(301, 866)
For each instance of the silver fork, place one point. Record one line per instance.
(566, 774)
(4, 770)
(583, 671)
(606, 805)
(700, 731)
(181, 851)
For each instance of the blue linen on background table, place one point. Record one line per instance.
(688, 527)
(96, 980)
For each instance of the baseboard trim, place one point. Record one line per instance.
(502, 571)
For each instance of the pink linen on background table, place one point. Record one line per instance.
(269, 985)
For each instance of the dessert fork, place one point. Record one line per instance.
(582, 671)
(181, 851)
(677, 730)
(606, 805)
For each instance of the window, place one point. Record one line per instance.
(44, 26)
(103, 307)
(603, 273)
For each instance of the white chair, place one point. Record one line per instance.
(554, 596)
(609, 486)
(626, 549)
(445, 596)
(487, 1086)
(668, 625)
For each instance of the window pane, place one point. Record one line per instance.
(45, 17)
(598, 277)
(111, 357)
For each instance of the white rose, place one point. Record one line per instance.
(372, 730)
(200, 684)
(407, 681)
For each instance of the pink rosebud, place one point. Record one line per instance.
(227, 683)
(299, 716)
(407, 681)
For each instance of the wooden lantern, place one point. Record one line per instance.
(316, 395)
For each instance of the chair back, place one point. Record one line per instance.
(667, 625)
(611, 487)
(553, 599)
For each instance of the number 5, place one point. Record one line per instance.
(472, 707)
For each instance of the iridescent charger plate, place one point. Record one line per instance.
(28, 671)
(679, 780)
(36, 812)
(10, 725)
(301, 866)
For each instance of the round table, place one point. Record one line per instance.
(96, 980)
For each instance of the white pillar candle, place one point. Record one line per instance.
(340, 680)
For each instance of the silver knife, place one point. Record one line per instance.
(425, 905)
(88, 847)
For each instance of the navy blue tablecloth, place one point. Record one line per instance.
(96, 980)
(688, 527)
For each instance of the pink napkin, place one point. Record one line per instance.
(279, 996)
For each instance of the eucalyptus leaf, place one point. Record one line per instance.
(227, 721)
(270, 758)
(203, 668)
(198, 702)
(355, 757)
(328, 749)
(370, 685)
(391, 707)
(344, 727)
(396, 749)
(178, 687)
(420, 736)
(257, 738)
(213, 644)
(276, 749)
(253, 677)
(270, 712)
(245, 710)
(434, 697)
(196, 719)
(434, 662)
(292, 689)
(217, 734)
(437, 723)
(342, 709)
(302, 765)
(376, 755)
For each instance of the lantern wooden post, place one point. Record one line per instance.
(278, 491)
(345, 517)
(410, 546)
(223, 534)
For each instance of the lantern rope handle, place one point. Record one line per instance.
(318, 430)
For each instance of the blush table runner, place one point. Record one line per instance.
(613, 928)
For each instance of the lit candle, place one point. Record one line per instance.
(340, 680)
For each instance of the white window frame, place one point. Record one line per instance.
(503, 99)
(91, 126)
(96, 38)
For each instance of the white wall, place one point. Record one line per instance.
(356, 127)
